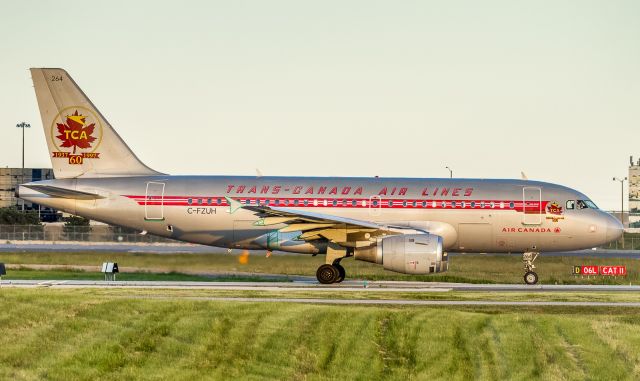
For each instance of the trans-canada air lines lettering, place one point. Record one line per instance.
(346, 190)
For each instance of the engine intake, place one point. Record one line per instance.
(407, 254)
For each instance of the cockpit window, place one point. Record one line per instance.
(585, 204)
(571, 204)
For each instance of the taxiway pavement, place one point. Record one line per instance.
(354, 285)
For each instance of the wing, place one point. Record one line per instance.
(347, 232)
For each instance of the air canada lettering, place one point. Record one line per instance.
(529, 230)
(344, 190)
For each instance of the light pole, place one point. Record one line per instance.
(450, 172)
(621, 202)
(22, 125)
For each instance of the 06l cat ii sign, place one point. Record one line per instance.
(76, 134)
(600, 270)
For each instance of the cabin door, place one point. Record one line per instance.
(531, 206)
(154, 202)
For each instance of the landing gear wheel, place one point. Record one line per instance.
(342, 273)
(327, 274)
(530, 278)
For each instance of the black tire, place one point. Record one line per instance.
(341, 272)
(530, 278)
(327, 274)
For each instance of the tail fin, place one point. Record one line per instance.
(81, 141)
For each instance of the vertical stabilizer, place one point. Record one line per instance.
(81, 142)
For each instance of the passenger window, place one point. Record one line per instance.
(571, 204)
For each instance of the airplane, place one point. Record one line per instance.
(407, 225)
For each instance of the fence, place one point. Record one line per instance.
(630, 242)
(97, 233)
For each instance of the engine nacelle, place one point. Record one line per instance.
(407, 254)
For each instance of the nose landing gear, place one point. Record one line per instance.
(530, 277)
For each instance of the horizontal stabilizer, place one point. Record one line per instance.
(63, 192)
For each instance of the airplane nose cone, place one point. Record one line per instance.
(614, 229)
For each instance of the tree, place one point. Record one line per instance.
(12, 216)
(76, 228)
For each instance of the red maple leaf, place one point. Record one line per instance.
(74, 133)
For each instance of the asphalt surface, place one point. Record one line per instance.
(201, 249)
(374, 286)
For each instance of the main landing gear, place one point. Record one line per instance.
(530, 277)
(328, 274)
(332, 271)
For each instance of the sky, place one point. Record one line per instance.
(342, 88)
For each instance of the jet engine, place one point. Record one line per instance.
(407, 254)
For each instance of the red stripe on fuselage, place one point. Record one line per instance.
(374, 202)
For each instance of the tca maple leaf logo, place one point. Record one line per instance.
(74, 133)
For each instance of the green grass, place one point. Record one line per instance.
(83, 335)
(463, 268)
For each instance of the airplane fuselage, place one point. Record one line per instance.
(472, 215)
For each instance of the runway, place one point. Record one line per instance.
(347, 286)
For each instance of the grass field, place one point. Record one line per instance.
(88, 335)
(463, 268)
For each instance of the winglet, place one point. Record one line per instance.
(233, 204)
